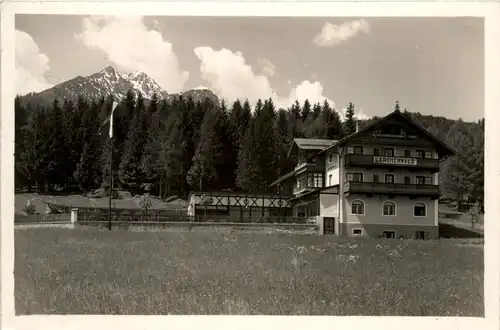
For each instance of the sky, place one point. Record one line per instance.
(430, 65)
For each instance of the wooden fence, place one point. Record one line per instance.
(167, 219)
(136, 216)
(42, 218)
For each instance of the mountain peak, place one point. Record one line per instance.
(137, 75)
(109, 69)
(108, 82)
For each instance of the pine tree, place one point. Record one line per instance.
(317, 110)
(331, 123)
(306, 110)
(129, 173)
(208, 153)
(88, 171)
(149, 163)
(294, 121)
(57, 163)
(247, 166)
(308, 127)
(283, 143)
(457, 179)
(266, 146)
(350, 121)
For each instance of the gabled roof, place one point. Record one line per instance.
(444, 152)
(310, 144)
(283, 178)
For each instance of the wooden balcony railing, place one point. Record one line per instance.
(391, 188)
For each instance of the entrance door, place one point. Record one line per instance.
(389, 234)
(328, 226)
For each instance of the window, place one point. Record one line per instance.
(420, 154)
(389, 234)
(420, 235)
(354, 177)
(330, 180)
(315, 180)
(389, 208)
(419, 210)
(428, 155)
(407, 180)
(358, 207)
(389, 152)
(331, 157)
(375, 178)
(376, 151)
(318, 180)
(357, 232)
(358, 150)
(407, 154)
(350, 150)
(389, 178)
(424, 180)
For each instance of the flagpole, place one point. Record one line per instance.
(110, 184)
(110, 179)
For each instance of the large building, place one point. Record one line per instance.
(382, 181)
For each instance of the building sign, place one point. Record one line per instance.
(394, 160)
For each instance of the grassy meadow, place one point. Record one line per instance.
(92, 271)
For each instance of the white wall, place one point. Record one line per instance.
(404, 211)
(328, 206)
(335, 177)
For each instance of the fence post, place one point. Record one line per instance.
(74, 216)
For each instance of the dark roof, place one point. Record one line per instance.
(311, 144)
(283, 178)
(446, 150)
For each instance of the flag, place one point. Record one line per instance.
(111, 119)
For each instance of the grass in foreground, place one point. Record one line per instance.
(83, 271)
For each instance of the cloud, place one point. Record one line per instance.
(131, 47)
(31, 65)
(232, 78)
(332, 35)
(312, 91)
(267, 67)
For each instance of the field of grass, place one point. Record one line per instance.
(91, 271)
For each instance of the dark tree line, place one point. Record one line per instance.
(171, 148)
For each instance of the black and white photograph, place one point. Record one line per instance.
(246, 165)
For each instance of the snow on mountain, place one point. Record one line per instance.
(109, 82)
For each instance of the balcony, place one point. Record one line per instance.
(415, 190)
(391, 162)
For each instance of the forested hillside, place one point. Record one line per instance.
(181, 145)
